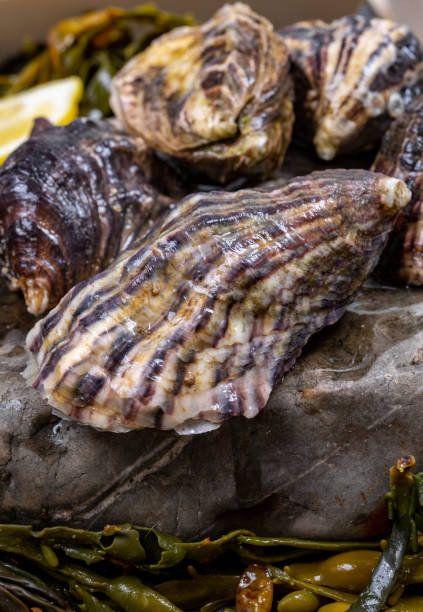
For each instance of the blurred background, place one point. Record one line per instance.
(20, 18)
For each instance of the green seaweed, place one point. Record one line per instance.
(93, 46)
(132, 568)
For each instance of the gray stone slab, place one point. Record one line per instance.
(314, 463)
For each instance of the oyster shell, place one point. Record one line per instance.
(353, 76)
(71, 198)
(217, 96)
(401, 155)
(199, 322)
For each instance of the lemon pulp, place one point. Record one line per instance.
(57, 101)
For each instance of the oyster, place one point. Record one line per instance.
(216, 96)
(401, 155)
(353, 76)
(71, 198)
(199, 322)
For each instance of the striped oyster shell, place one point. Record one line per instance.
(200, 321)
(71, 199)
(401, 155)
(216, 96)
(353, 76)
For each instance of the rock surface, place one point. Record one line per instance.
(314, 463)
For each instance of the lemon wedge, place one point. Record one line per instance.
(57, 101)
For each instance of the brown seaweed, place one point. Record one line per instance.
(199, 322)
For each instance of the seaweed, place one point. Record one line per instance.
(94, 46)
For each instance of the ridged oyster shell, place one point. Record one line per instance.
(217, 96)
(353, 76)
(199, 322)
(401, 155)
(71, 199)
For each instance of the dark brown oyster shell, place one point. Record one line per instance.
(401, 155)
(352, 76)
(217, 97)
(199, 322)
(72, 198)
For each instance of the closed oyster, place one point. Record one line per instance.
(71, 198)
(198, 323)
(353, 76)
(217, 96)
(401, 155)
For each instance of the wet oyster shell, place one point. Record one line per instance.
(216, 96)
(401, 155)
(199, 322)
(352, 76)
(71, 198)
